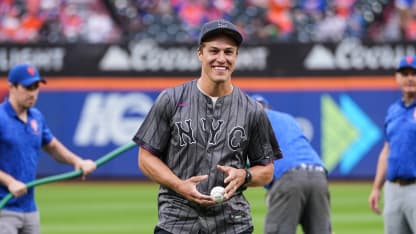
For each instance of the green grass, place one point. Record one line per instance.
(124, 208)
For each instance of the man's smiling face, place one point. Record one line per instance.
(218, 57)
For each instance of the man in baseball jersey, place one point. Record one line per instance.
(396, 167)
(203, 134)
(23, 133)
(299, 191)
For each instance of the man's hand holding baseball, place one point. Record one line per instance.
(187, 188)
(234, 180)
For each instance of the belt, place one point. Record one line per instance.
(404, 182)
(309, 167)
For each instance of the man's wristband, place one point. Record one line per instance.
(248, 177)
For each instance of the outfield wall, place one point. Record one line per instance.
(343, 117)
(147, 58)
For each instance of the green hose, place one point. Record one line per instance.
(104, 159)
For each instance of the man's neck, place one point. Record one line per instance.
(213, 89)
(20, 111)
(409, 98)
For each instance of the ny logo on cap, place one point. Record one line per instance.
(31, 71)
(409, 59)
(222, 24)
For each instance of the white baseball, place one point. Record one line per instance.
(217, 193)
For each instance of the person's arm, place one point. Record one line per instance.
(16, 187)
(62, 154)
(261, 174)
(157, 171)
(380, 178)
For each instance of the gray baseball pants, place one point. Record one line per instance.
(399, 208)
(299, 197)
(19, 223)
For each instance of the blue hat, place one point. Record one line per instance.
(407, 62)
(220, 26)
(260, 99)
(24, 74)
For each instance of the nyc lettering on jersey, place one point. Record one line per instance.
(186, 133)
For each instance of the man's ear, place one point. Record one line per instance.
(12, 85)
(199, 53)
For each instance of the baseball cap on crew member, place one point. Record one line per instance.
(407, 62)
(220, 26)
(24, 74)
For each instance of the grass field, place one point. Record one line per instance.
(130, 207)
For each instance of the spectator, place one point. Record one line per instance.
(179, 20)
(279, 14)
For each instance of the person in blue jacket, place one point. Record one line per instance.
(298, 194)
(396, 167)
(23, 133)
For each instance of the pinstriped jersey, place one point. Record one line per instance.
(192, 135)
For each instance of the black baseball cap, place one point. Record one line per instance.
(220, 26)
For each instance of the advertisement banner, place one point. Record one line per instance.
(147, 58)
(342, 119)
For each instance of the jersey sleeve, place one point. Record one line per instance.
(264, 147)
(154, 133)
(47, 135)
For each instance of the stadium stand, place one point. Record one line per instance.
(108, 21)
(60, 21)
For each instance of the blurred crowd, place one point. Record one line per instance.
(108, 21)
(56, 21)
